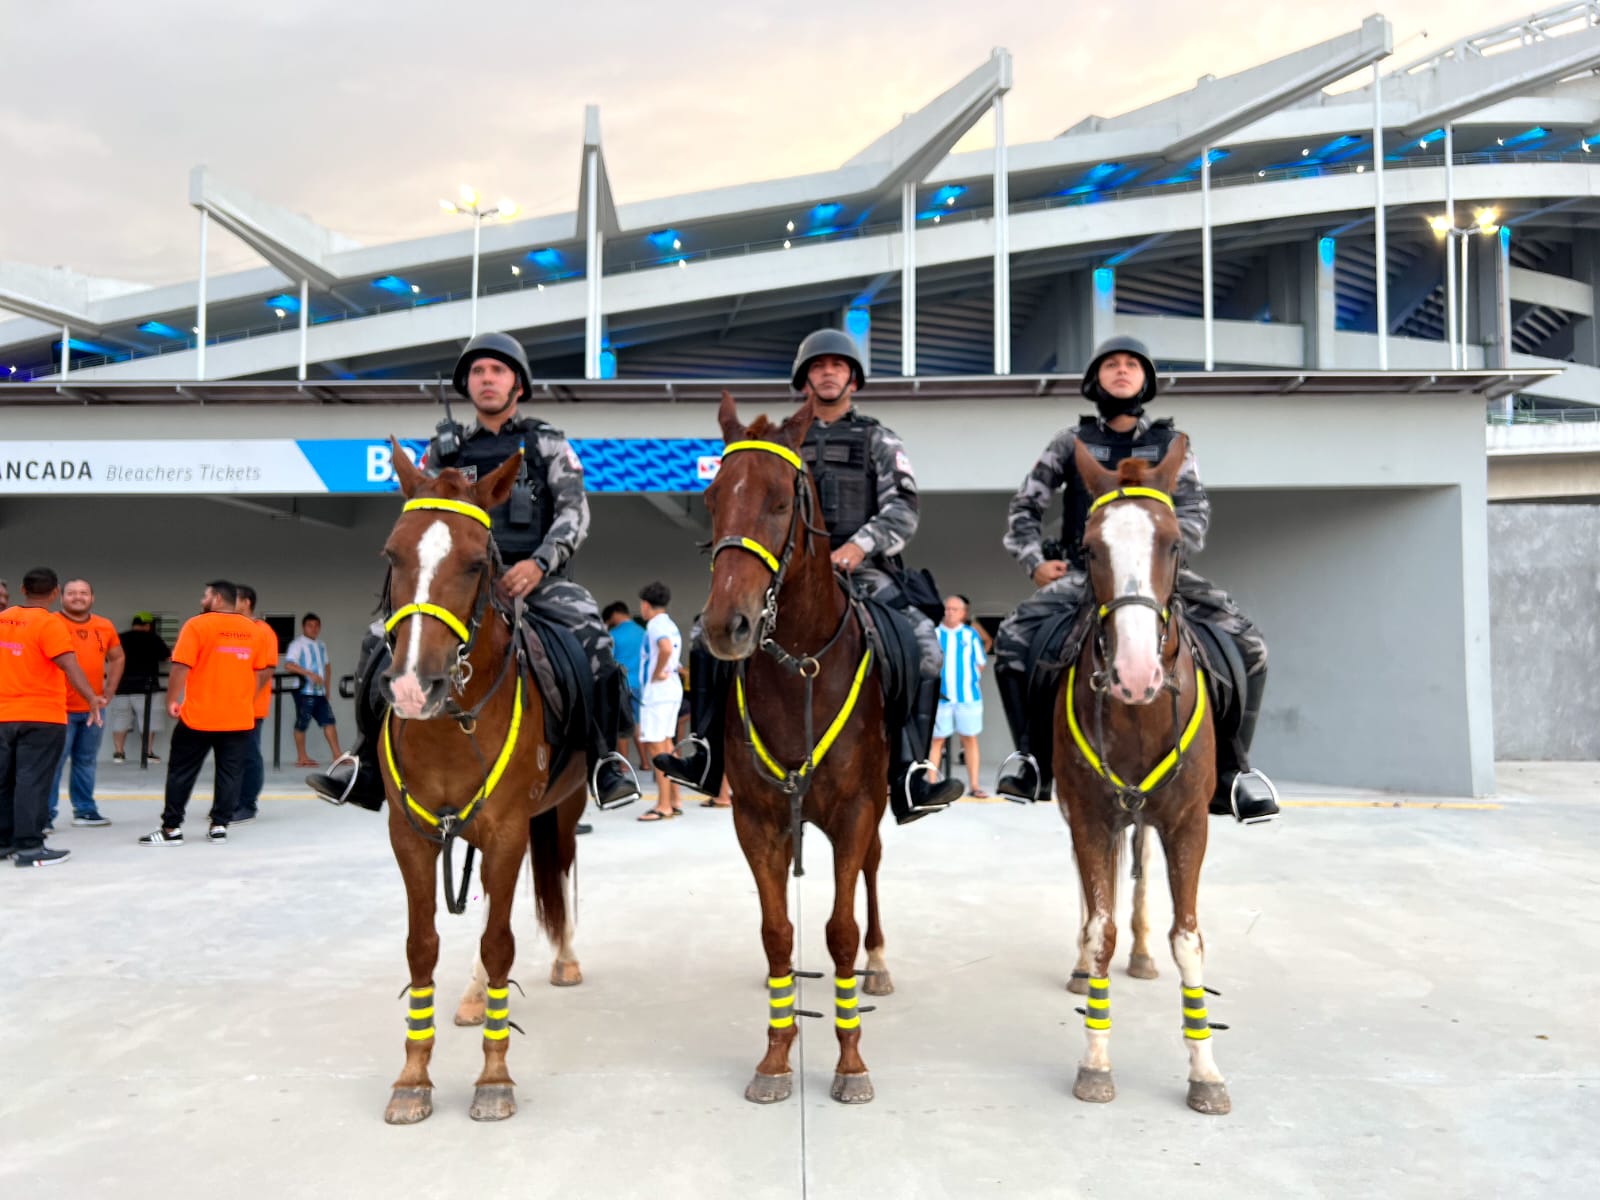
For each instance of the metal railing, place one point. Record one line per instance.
(1496, 414)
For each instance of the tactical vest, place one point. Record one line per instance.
(839, 457)
(521, 523)
(1110, 449)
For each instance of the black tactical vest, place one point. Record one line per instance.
(1110, 449)
(839, 457)
(520, 524)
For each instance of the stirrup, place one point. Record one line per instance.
(355, 774)
(677, 752)
(594, 783)
(1024, 757)
(1233, 797)
(926, 767)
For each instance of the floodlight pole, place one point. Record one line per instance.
(477, 240)
(1449, 255)
(305, 316)
(593, 267)
(1380, 233)
(1208, 321)
(908, 278)
(66, 350)
(200, 306)
(1002, 243)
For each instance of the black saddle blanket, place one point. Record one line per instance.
(894, 643)
(560, 669)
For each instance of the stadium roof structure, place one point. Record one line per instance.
(1262, 185)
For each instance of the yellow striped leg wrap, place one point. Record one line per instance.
(844, 1004)
(497, 1015)
(419, 1014)
(1097, 1013)
(1196, 1026)
(780, 1001)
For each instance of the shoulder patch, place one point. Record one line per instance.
(902, 463)
(572, 459)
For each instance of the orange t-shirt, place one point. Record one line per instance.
(269, 642)
(32, 687)
(91, 641)
(223, 654)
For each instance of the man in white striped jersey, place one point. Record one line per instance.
(960, 694)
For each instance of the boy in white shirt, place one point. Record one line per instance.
(661, 655)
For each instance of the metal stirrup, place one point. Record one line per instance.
(925, 766)
(1021, 756)
(355, 774)
(594, 781)
(1233, 796)
(694, 739)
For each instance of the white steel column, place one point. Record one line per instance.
(1207, 318)
(1002, 243)
(305, 318)
(1449, 248)
(200, 306)
(908, 278)
(1465, 304)
(66, 351)
(593, 266)
(477, 238)
(1379, 232)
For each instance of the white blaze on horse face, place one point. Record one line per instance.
(407, 690)
(1129, 535)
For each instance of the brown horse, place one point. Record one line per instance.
(1134, 746)
(810, 742)
(464, 755)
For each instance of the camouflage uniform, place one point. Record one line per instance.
(1025, 541)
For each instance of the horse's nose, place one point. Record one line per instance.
(740, 630)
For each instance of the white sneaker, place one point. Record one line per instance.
(217, 833)
(162, 837)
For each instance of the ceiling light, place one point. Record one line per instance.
(1500, 141)
(541, 287)
(1360, 168)
(194, 329)
(950, 201)
(683, 262)
(785, 243)
(1305, 154)
(281, 313)
(789, 227)
(416, 289)
(1261, 174)
(516, 270)
(935, 218)
(677, 243)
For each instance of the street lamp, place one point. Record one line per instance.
(1484, 221)
(471, 205)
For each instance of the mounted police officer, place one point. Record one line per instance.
(536, 531)
(1120, 380)
(867, 494)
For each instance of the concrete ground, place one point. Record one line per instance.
(1410, 987)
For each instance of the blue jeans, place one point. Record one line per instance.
(255, 774)
(82, 749)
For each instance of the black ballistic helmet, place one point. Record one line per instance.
(827, 341)
(1108, 404)
(494, 345)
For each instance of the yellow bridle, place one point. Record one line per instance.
(438, 613)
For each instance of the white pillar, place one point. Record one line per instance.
(477, 237)
(1449, 248)
(200, 307)
(1002, 243)
(1379, 232)
(1207, 317)
(1465, 308)
(66, 351)
(305, 320)
(908, 278)
(592, 270)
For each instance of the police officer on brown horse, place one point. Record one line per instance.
(867, 493)
(536, 532)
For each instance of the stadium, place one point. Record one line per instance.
(1309, 246)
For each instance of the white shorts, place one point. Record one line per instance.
(965, 719)
(658, 713)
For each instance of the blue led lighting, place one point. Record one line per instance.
(858, 323)
(79, 346)
(1103, 177)
(1105, 281)
(608, 364)
(548, 258)
(393, 284)
(947, 195)
(1193, 169)
(1505, 236)
(1325, 251)
(823, 215)
(1528, 137)
(664, 239)
(160, 330)
(290, 304)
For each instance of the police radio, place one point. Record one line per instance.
(447, 434)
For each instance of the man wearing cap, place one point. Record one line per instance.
(144, 650)
(537, 531)
(867, 492)
(1120, 380)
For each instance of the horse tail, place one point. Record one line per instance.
(550, 861)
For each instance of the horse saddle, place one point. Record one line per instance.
(894, 645)
(560, 669)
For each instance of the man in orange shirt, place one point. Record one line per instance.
(99, 651)
(255, 769)
(217, 667)
(36, 664)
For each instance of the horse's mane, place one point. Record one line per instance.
(1132, 472)
(448, 484)
(762, 429)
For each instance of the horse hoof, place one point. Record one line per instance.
(852, 1089)
(1142, 966)
(565, 974)
(1209, 1098)
(470, 1012)
(769, 1089)
(1095, 1087)
(493, 1102)
(1078, 985)
(878, 984)
(408, 1105)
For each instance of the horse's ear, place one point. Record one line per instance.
(494, 489)
(728, 418)
(1165, 474)
(406, 471)
(794, 429)
(1096, 478)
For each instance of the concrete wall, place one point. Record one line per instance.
(1544, 590)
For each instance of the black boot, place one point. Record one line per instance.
(609, 773)
(355, 776)
(1019, 774)
(696, 762)
(1243, 792)
(913, 793)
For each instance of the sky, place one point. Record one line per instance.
(360, 114)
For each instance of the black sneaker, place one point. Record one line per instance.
(93, 821)
(243, 816)
(119, 758)
(163, 837)
(42, 857)
(582, 829)
(217, 833)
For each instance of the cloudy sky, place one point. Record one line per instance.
(361, 113)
